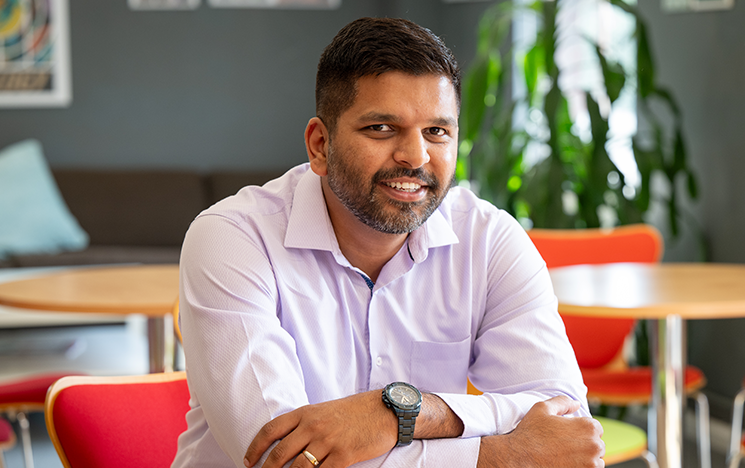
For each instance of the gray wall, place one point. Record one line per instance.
(204, 89)
(701, 57)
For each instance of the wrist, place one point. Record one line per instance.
(436, 420)
(405, 401)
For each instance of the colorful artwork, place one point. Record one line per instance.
(34, 53)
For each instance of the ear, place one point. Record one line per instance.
(317, 144)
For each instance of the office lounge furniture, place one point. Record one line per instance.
(107, 422)
(7, 439)
(18, 397)
(667, 295)
(598, 341)
(737, 442)
(115, 289)
(136, 216)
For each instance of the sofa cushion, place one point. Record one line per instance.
(126, 207)
(33, 215)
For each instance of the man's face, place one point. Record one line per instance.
(391, 159)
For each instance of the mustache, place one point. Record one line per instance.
(430, 180)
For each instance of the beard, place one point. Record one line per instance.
(370, 205)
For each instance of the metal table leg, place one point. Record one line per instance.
(160, 343)
(665, 422)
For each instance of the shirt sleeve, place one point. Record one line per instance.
(242, 366)
(521, 354)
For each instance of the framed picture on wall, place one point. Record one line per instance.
(676, 6)
(296, 4)
(35, 53)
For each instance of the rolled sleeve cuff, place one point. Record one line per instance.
(476, 413)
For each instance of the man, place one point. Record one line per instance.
(305, 303)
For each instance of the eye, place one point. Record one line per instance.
(380, 128)
(437, 131)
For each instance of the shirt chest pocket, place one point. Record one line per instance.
(440, 367)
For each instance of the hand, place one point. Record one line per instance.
(338, 433)
(545, 438)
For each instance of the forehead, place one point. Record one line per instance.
(404, 95)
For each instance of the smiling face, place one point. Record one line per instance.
(391, 159)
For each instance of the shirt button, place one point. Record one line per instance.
(379, 361)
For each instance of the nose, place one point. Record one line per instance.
(412, 151)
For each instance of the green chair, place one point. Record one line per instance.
(624, 442)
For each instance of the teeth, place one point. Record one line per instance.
(405, 186)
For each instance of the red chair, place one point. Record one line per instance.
(106, 422)
(737, 443)
(598, 342)
(22, 396)
(7, 439)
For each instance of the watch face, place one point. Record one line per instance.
(404, 395)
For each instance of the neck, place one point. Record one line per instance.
(364, 247)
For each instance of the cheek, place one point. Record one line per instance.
(444, 160)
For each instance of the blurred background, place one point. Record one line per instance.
(232, 89)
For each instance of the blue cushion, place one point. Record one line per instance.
(34, 218)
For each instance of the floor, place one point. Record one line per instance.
(121, 349)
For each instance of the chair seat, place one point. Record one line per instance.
(632, 385)
(28, 391)
(623, 441)
(6, 431)
(7, 436)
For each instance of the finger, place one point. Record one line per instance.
(306, 461)
(561, 405)
(289, 448)
(272, 431)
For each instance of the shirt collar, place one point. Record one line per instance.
(309, 226)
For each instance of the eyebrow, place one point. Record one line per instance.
(382, 117)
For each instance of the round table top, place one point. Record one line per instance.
(138, 289)
(638, 290)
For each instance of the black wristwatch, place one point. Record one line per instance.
(406, 401)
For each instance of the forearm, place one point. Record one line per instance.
(546, 437)
(436, 420)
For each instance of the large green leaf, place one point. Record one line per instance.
(613, 75)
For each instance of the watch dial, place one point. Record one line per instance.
(404, 395)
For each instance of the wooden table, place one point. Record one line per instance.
(666, 294)
(150, 290)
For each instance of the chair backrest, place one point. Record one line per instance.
(176, 325)
(106, 422)
(597, 341)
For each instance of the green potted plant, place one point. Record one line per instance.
(577, 180)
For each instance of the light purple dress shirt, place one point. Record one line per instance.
(274, 317)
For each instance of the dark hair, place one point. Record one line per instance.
(372, 46)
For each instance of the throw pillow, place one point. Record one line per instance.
(34, 218)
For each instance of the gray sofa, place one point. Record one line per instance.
(137, 216)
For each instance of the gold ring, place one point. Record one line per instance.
(311, 458)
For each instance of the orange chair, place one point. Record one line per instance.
(7, 439)
(176, 326)
(21, 396)
(737, 443)
(598, 342)
(107, 422)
